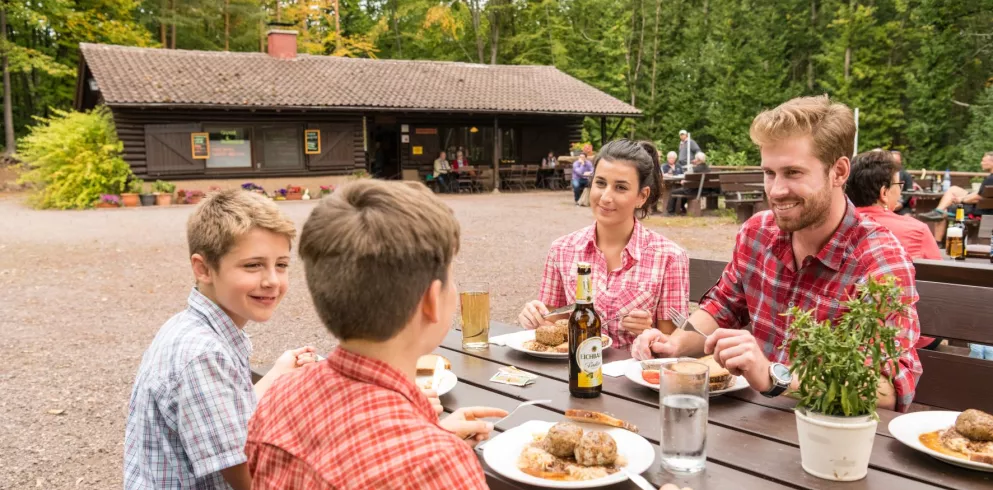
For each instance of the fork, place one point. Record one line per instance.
(681, 322)
(522, 404)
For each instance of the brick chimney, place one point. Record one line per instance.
(282, 44)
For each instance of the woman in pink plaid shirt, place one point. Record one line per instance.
(638, 274)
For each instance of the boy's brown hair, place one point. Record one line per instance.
(371, 250)
(830, 125)
(224, 217)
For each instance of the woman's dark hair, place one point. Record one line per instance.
(643, 156)
(870, 172)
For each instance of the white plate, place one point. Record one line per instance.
(907, 429)
(633, 372)
(516, 341)
(447, 382)
(503, 451)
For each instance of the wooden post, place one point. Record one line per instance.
(603, 131)
(496, 154)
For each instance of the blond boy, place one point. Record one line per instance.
(193, 395)
(378, 259)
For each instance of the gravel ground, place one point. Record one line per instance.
(85, 292)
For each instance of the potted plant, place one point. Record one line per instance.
(109, 201)
(252, 187)
(293, 193)
(189, 196)
(839, 367)
(147, 198)
(279, 195)
(326, 190)
(129, 198)
(163, 192)
(575, 149)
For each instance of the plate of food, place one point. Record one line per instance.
(647, 373)
(961, 438)
(568, 454)
(426, 366)
(550, 341)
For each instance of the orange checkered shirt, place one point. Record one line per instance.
(351, 422)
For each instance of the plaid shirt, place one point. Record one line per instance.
(191, 402)
(761, 281)
(354, 422)
(654, 276)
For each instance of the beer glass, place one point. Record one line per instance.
(475, 303)
(684, 391)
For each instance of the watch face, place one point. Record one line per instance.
(782, 373)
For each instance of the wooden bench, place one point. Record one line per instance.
(946, 310)
(706, 186)
(744, 192)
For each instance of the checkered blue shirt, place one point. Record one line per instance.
(191, 402)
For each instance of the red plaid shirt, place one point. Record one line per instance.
(354, 422)
(761, 281)
(654, 276)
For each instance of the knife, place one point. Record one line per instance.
(439, 369)
(563, 309)
(637, 479)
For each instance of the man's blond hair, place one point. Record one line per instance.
(371, 250)
(224, 217)
(830, 125)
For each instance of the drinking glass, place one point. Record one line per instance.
(475, 301)
(684, 397)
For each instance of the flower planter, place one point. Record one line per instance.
(106, 205)
(130, 200)
(835, 448)
(193, 199)
(294, 196)
(163, 199)
(147, 199)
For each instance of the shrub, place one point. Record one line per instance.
(72, 158)
(164, 187)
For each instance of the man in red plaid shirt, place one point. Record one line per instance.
(810, 250)
(378, 259)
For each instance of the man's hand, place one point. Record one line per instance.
(637, 321)
(653, 343)
(533, 315)
(738, 351)
(464, 422)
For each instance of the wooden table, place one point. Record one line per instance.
(751, 440)
(926, 201)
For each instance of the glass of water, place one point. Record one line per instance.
(475, 303)
(684, 396)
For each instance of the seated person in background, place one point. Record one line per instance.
(699, 167)
(810, 250)
(461, 162)
(442, 172)
(357, 420)
(670, 167)
(874, 188)
(907, 185)
(549, 161)
(957, 195)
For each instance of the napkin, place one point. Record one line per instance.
(502, 339)
(617, 368)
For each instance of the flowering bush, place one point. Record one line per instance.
(293, 189)
(327, 189)
(251, 186)
(189, 196)
(111, 199)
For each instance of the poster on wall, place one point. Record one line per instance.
(405, 138)
(200, 142)
(425, 130)
(312, 141)
(418, 150)
(404, 128)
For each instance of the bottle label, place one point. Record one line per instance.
(589, 358)
(584, 287)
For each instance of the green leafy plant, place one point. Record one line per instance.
(839, 365)
(360, 174)
(136, 186)
(71, 158)
(164, 187)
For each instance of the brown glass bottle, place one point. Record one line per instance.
(585, 344)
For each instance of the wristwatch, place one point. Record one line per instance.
(781, 379)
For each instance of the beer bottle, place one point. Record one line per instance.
(585, 344)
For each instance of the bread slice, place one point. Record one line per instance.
(426, 364)
(598, 418)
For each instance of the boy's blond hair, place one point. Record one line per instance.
(830, 125)
(371, 250)
(224, 217)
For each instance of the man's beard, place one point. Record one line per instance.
(812, 212)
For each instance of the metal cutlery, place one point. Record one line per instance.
(682, 323)
(637, 479)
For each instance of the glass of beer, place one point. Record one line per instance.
(475, 303)
(684, 397)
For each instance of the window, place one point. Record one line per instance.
(477, 141)
(230, 147)
(282, 147)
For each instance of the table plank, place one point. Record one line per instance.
(762, 417)
(737, 449)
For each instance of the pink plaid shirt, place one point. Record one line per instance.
(761, 281)
(351, 422)
(654, 276)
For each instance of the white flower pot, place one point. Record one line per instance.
(835, 448)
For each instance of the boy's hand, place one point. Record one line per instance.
(293, 359)
(463, 422)
(435, 401)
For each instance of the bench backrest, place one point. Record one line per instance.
(711, 180)
(986, 200)
(946, 310)
(741, 182)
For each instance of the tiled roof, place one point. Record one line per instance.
(147, 76)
